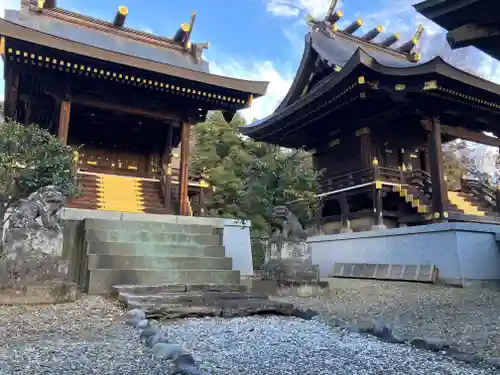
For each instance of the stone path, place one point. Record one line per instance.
(91, 337)
(466, 318)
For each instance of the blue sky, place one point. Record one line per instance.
(263, 39)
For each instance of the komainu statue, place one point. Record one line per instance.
(287, 225)
(45, 203)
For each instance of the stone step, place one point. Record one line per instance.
(222, 308)
(153, 250)
(126, 262)
(125, 236)
(101, 281)
(139, 289)
(148, 226)
(185, 297)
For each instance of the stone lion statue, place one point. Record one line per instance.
(287, 225)
(45, 203)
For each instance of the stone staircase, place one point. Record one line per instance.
(154, 253)
(118, 193)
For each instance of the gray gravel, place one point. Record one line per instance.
(90, 337)
(468, 318)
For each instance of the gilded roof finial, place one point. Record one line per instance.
(353, 27)
(409, 45)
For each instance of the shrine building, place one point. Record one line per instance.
(469, 23)
(127, 98)
(375, 115)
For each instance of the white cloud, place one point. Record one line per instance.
(294, 8)
(279, 83)
(146, 29)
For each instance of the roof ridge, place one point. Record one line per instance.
(329, 27)
(106, 26)
(367, 44)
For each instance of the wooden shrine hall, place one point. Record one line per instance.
(128, 98)
(375, 117)
(469, 23)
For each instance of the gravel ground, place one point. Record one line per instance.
(89, 337)
(466, 317)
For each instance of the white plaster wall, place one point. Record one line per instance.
(238, 245)
(461, 251)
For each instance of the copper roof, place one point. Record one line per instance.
(71, 32)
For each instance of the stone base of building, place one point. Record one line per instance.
(465, 254)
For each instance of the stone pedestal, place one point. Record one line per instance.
(288, 250)
(32, 269)
(289, 263)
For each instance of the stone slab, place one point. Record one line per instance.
(226, 308)
(101, 281)
(39, 293)
(80, 214)
(399, 272)
(290, 270)
(153, 250)
(152, 226)
(158, 263)
(176, 288)
(186, 297)
(96, 235)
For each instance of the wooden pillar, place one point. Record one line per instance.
(378, 220)
(12, 97)
(184, 170)
(202, 201)
(497, 199)
(64, 115)
(345, 225)
(438, 185)
(365, 140)
(27, 112)
(165, 162)
(319, 215)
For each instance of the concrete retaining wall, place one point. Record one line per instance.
(466, 254)
(236, 234)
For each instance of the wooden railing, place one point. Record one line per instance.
(346, 180)
(421, 180)
(169, 189)
(481, 190)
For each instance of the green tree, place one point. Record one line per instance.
(249, 178)
(31, 158)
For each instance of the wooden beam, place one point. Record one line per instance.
(465, 134)
(64, 115)
(470, 34)
(439, 193)
(184, 170)
(96, 103)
